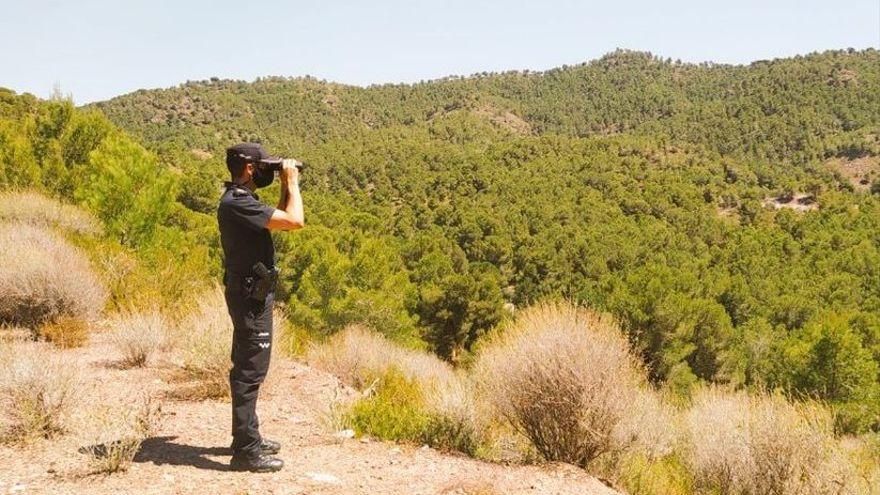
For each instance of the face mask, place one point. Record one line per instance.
(263, 176)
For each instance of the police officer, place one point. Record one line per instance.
(249, 262)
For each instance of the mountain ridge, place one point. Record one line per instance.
(621, 92)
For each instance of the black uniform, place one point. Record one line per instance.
(246, 241)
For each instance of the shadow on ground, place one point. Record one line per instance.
(163, 451)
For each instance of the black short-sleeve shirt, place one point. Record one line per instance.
(243, 234)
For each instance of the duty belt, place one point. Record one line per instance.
(230, 276)
(257, 285)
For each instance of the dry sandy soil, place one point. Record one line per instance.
(189, 453)
(859, 171)
(798, 202)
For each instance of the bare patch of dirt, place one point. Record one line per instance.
(843, 77)
(331, 101)
(189, 453)
(505, 119)
(860, 172)
(729, 212)
(798, 202)
(201, 154)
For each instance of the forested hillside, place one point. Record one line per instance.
(724, 214)
(789, 108)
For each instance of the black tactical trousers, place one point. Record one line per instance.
(251, 350)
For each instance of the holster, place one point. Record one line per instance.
(257, 285)
(263, 283)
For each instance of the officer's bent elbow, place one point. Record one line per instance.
(289, 224)
(282, 220)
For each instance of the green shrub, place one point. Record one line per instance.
(667, 475)
(163, 276)
(448, 433)
(294, 341)
(18, 165)
(396, 408)
(394, 412)
(127, 189)
(362, 282)
(827, 359)
(360, 357)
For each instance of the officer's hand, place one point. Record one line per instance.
(289, 169)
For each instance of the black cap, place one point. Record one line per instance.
(241, 153)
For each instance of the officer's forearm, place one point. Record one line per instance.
(285, 196)
(294, 206)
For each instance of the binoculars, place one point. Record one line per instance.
(275, 166)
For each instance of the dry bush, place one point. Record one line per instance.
(46, 278)
(36, 392)
(38, 210)
(12, 335)
(293, 340)
(565, 378)
(203, 341)
(458, 419)
(763, 444)
(138, 336)
(864, 454)
(66, 332)
(651, 426)
(118, 433)
(359, 356)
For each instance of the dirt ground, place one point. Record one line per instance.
(860, 172)
(189, 454)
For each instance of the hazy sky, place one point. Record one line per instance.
(97, 49)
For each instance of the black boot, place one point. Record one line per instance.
(259, 464)
(269, 447)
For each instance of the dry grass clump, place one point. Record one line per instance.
(203, 341)
(138, 336)
(458, 419)
(12, 334)
(66, 332)
(118, 434)
(46, 278)
(565, 378)
(762, 444)
(359, 356)
(35, 209)
(864, 454)
(37, 389)
(651, 426)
